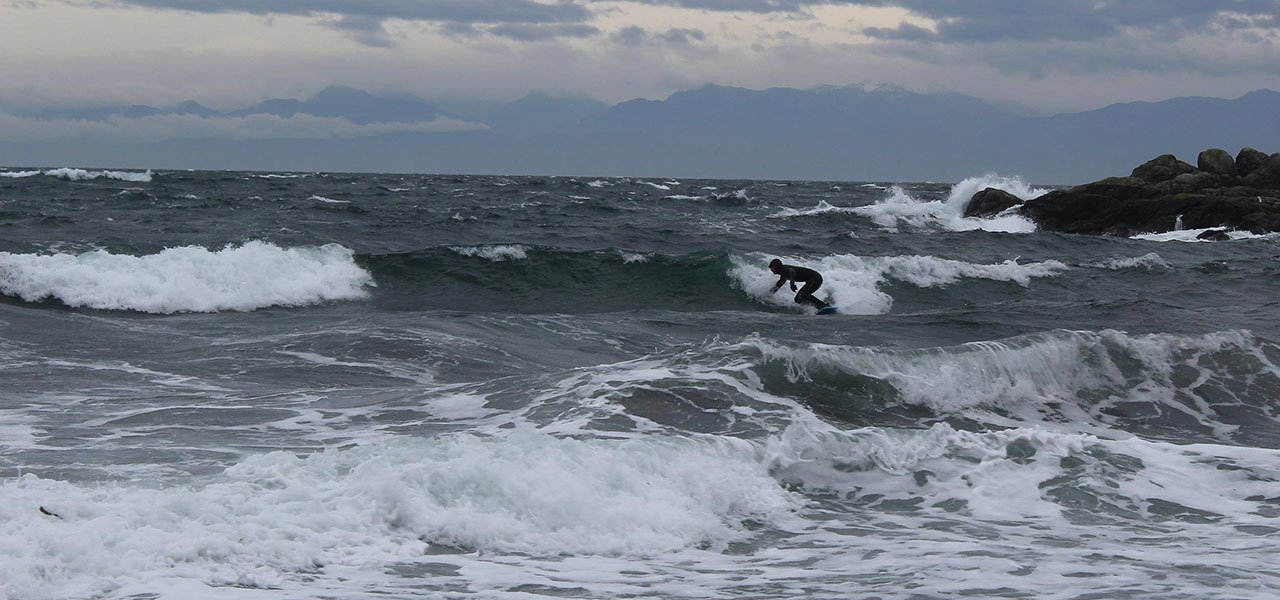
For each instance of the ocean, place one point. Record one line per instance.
(259, 386)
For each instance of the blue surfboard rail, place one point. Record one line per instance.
(830, 310)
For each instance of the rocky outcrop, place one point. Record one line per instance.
(1217, 162)
(1164, 194)
(990, 202)
(1266, 175)
(1161, 168)
(1248, 161)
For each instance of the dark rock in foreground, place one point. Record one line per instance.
(1214, 235)
(990, 202)
(1163, 194)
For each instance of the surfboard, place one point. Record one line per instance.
(830, 310)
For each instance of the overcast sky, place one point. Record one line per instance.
(1046, 55)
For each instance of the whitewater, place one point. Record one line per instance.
(239, 385)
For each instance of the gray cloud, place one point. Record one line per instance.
(992, 20)
(459, 11)
(682, 36)
(750, 6)
(634, 36)
(976, 21)
(536, 32)
(959, 22)
(366, 30)
(363, 20)
(630, 36)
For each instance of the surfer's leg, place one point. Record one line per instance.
(805, 295)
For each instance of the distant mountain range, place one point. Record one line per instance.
(872, 133)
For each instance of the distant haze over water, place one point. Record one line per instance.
(864, 132)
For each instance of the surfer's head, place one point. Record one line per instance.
(774, 265)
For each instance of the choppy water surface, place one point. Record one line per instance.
(250, 385)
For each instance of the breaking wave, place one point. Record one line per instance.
(901, 209)
(188, 279)
(82, 174)
(854, 281)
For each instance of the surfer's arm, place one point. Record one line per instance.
(781, 280)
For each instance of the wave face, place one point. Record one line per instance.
(1181, 388)
(288, 385)
(189, 279)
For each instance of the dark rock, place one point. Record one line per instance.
(1216, 161)
(1263, 219)
(1161, 168)
(1214, 235)
(1189, 182)
(1165, 194)
(1266, 175)
(1248, 160)
(989, 202)
(1120, 188)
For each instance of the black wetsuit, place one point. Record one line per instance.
(812, 281)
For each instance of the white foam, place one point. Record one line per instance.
(599, 183)
(18, 174)
(280, 521)
(975, 467)
(400, 371)
(633, 257)
(1069, 377)
(18, 431)
(823, 207)
(188, 279)
(734, 195)
(852, 281)
(656, 186)
(900, 208)
(683, 197)
(1149, 261)
(963, 191)
(1190, 235)
(82, 175)
(493, 253)
(328, 200)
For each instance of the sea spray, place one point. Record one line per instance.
(902, 209)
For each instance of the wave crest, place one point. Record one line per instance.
(1218, 384)
(853, 281)
(188, 279)
(82, 174)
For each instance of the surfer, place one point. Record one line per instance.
(790, 273)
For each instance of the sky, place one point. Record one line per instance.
(1045, 56)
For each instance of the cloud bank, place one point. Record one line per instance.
(1046, 54)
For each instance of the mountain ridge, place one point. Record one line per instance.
(860, 131)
